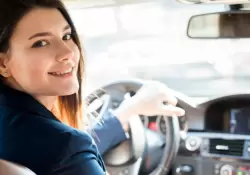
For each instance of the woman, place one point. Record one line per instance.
(41, 66)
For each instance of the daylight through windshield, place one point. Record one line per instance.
(148, 40)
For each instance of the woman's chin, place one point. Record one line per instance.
(67, 91)
(67, 94)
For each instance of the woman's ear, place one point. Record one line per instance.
(4, 71)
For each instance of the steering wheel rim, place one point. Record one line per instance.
(172, 125)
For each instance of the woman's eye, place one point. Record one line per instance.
(40, 44)
(67, 36)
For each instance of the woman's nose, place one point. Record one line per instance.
(65, 53)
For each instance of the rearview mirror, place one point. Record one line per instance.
(220, 25)
(228, 2)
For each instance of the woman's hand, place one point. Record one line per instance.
(153, 98)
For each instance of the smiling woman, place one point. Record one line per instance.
(41, 68)
(54, 59)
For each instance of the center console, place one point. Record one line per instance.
(223, 147)
(213, 154)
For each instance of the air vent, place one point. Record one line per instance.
(226, 147)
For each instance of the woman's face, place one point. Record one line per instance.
(42, 57)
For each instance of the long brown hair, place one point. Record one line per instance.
(69, 108)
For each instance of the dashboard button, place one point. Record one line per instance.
(248, 149)
(226, 170)
(184, 170)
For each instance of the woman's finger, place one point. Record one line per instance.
(169, 98)
(168, 95)
(169, 110)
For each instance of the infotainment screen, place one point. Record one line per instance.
(239, 120)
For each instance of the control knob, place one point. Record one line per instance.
(192, 143)
(226, 170)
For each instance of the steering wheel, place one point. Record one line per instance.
(145, 151)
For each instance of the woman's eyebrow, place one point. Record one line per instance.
(66, 27)
(47, 33)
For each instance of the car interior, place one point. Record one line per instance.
(10, 168)
(202, 58)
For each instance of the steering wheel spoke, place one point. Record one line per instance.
(130, 169)
(136, 146)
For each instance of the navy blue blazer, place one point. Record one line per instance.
(31, 135)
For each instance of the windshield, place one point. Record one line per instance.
(148, 40)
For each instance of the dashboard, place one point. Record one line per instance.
(218, 138)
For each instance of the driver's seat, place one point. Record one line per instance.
(8, 168)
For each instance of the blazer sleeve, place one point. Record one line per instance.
(108, 133)
(80, 157)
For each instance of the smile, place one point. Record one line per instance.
(67, 72)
